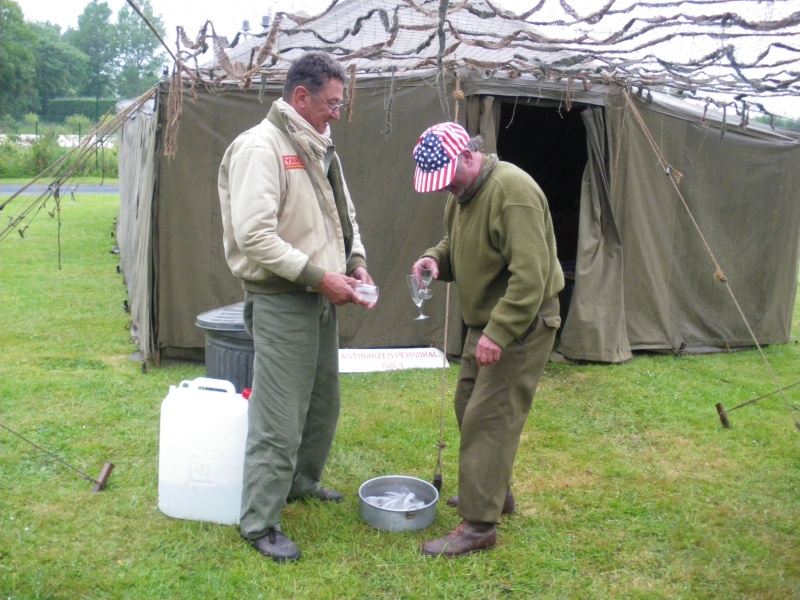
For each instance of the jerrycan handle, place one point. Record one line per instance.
(207, 383)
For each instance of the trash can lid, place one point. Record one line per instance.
(227, 318)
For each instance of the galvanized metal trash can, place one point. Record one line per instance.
(229, 348)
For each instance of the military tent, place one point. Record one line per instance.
(678, 224)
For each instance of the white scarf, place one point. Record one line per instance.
(319, 141)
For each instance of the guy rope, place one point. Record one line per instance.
(719, 275)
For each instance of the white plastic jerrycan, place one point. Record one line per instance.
(201, 451)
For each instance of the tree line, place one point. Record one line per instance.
(99, 59)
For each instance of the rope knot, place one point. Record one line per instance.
(720, 276)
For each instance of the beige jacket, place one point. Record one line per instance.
(284, 222)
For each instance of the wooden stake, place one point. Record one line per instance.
(104, 475)
(723, 416)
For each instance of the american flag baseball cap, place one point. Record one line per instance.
(435, 155)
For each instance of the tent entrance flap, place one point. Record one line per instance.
(553, 146)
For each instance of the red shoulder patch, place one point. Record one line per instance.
(292, 162)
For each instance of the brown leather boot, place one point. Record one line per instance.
(509, 506)
(465, 539)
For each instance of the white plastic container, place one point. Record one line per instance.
(201, 451)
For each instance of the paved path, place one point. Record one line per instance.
(80, 188)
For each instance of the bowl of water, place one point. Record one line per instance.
(397, 503)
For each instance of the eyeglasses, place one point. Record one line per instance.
(333, 107)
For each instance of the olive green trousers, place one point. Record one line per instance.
(492, 404)
(294, 405)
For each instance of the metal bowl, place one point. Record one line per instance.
(389, 519)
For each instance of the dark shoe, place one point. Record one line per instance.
(509, 506)
(277, 546)
(465, 539)
(321, 494)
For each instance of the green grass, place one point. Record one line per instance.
(627, 485)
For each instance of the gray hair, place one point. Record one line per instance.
(475, 144)
(312, 70)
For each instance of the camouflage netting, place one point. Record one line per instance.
(725, 52)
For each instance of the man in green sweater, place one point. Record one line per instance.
(500, 251)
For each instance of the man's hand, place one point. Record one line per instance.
(360, 273)
(426, 262)
(487, 353)
(338, 288)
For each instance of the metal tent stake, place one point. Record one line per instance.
(99, 484)
(723, 414)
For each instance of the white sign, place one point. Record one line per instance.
(390, 359)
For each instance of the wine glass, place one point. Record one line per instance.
(416, 294)
(426, 275)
